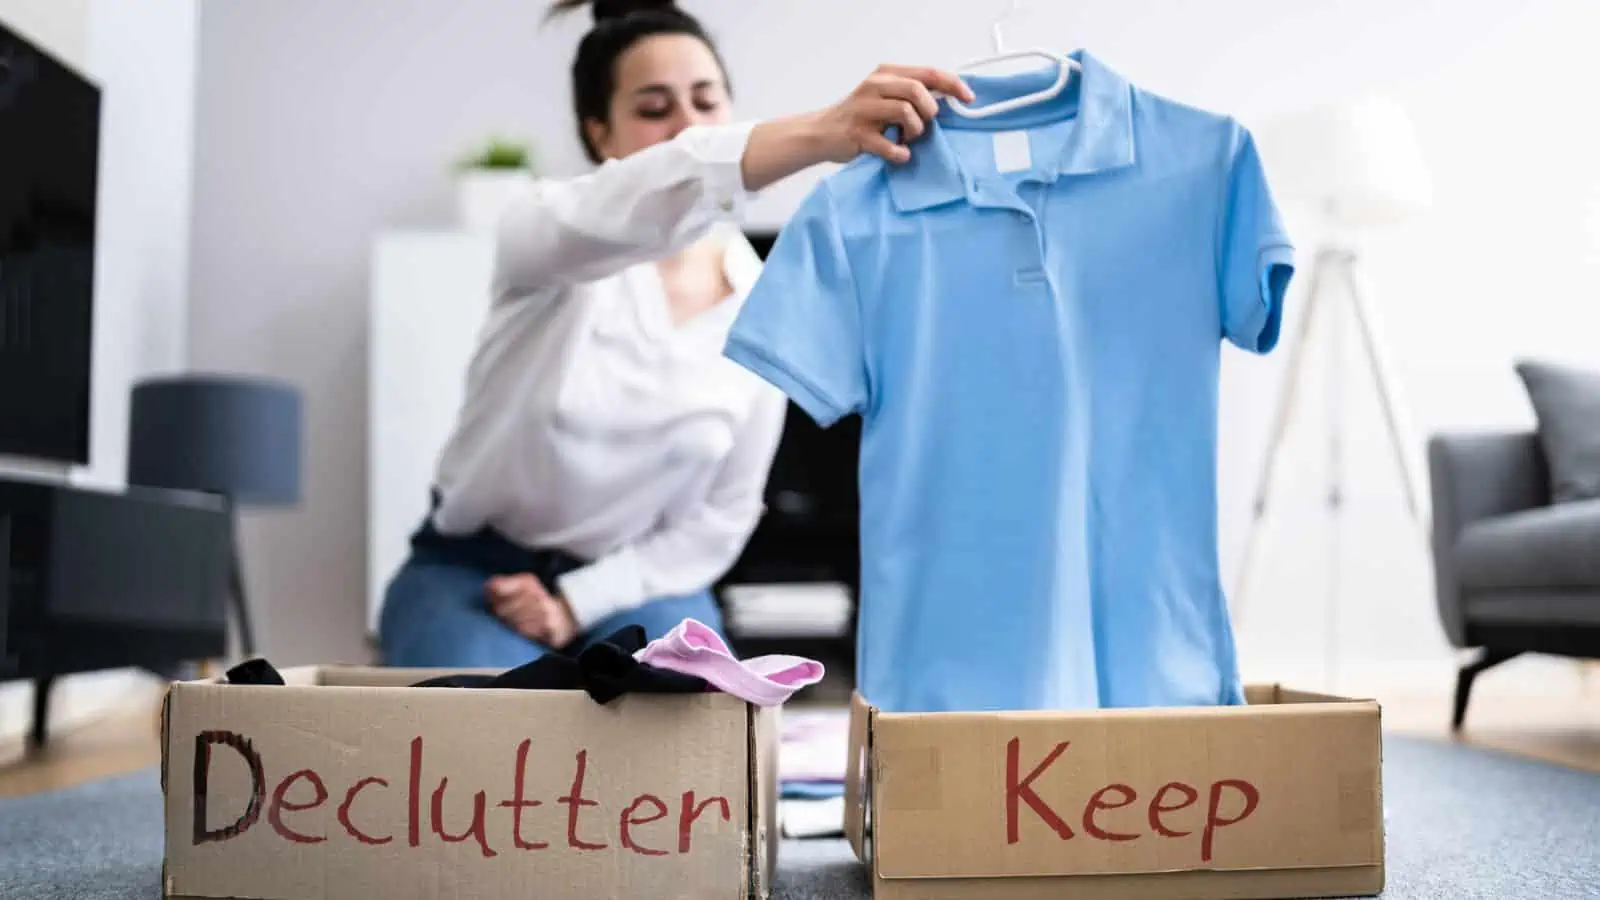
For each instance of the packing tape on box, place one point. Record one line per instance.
(911, 782)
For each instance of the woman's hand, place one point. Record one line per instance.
(523, 603)
(893, 95)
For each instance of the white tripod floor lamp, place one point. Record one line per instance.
(1359, 166)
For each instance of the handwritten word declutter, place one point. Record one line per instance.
(649, 825)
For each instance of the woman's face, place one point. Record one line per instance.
(665, 83)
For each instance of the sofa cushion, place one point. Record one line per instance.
(1566, 402)
(1534, 607)
(1552, 547)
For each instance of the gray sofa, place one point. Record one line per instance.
(1515, 573)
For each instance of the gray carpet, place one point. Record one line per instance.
(1462, 824)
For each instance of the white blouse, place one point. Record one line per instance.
(593, 423)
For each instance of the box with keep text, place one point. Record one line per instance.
(345, 782)
(1278, 798)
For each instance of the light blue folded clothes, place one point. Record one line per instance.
(812, 790)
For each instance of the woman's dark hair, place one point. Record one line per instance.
(618, 25)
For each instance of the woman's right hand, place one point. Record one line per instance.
(901, 96)
(522, 602)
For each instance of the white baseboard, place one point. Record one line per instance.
(75, 700)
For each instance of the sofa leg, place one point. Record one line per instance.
(40, 730)
(1487, 660)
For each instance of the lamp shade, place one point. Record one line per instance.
(1358, 163)
(239, 437)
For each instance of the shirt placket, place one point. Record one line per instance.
(1028, 247)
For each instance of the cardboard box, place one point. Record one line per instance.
(1279, 798)
(346, 783)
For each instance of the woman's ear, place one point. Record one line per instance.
(598, 135)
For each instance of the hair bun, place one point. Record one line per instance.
(616, 9)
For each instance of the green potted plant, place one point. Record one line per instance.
(487, 179)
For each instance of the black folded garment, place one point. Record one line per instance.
(254, 671)
(605, 670)
(608, 670)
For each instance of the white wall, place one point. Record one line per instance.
(145, 55)
(299, 167)
(1506, 265)
(59, 26)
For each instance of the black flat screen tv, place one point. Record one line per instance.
(49, 186)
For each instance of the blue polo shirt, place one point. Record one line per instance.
(1028, 317)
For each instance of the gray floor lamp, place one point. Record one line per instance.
(1357, 166)
(239, 438)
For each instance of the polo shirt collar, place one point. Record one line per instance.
(1101, 139)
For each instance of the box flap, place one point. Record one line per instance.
(765, 736)
(369, 676)
(334, 792)
(1122, 791)
(297, 676)
(294, 676)
(856, 788)
(1261, 694)
(1290, 695)
(1269, 694)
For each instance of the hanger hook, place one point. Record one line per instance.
(999, 23)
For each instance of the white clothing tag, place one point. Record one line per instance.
(1011, 152)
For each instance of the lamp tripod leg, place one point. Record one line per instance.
(1299, 348)
(1395, 420)
(1336, 485)
(241, 604)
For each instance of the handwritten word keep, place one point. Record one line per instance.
(1169, 799)
(291, 819)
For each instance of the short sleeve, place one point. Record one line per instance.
(800, 326)
(1256, 258)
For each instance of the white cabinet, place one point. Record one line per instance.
(429, 296)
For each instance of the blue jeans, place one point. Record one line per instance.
(436, 614)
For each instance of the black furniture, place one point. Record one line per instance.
(93, 580)
(50, 142)
(232, 437)
(810, 532)
(1514, 572)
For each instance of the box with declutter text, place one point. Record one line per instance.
(347, 783)
(1278, 798)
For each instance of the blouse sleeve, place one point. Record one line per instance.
(631, 210)
(690, 551)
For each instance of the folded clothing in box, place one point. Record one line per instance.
(691, 658)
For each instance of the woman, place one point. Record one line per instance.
(608, 464)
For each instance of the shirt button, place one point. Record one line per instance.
(727, 204)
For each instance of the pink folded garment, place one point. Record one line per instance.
(693, 648)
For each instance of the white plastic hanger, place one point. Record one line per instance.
(1065, 66)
